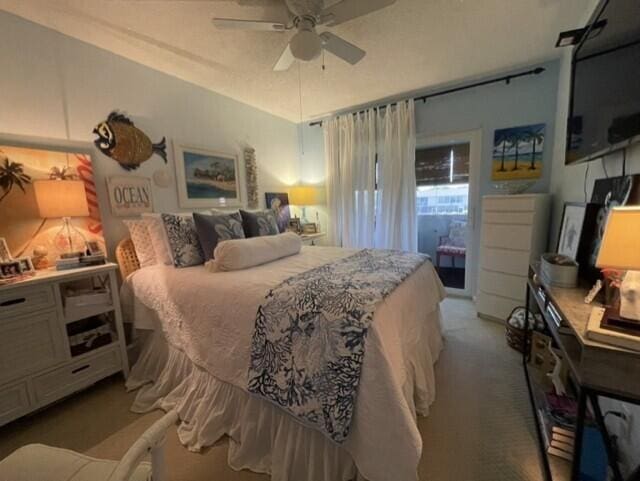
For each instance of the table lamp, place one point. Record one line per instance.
(303, 196)
(620, 249)
(62, 199)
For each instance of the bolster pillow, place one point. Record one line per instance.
(236, 254)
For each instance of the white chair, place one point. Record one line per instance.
(36, 462)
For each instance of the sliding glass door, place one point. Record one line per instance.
(445, 207)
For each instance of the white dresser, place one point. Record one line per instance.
(44, 353)
(514, 233)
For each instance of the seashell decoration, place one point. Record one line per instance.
(252, 177)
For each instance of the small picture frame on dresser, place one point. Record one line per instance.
(26, 265)
(9, 269)
(295, 226)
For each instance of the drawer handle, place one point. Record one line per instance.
(12, 302)
(80, 369)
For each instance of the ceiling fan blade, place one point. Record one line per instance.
(349, 9)
(237, 24)
(285, 61)
(341, 48)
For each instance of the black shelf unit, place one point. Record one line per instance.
(587, 394)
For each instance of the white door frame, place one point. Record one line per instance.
(474, 139)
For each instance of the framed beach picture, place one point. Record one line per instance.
(518, 153)
(206, 178)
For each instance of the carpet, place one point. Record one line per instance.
(480, 427)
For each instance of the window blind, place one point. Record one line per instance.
(434, 165)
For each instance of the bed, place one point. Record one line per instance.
(196, 353)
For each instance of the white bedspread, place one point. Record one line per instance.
(210, 316)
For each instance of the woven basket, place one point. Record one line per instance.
(515, 332)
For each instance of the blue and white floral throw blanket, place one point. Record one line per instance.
(309, 339)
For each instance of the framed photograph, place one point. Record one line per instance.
(129, 195)
(518, 153)
(26, 265)
(577, 231)
(295, 226)
(207, 178)
(279, 203)
(9, 269)
(5, 254)
(94, 248)
(571, 229)
(310, 228)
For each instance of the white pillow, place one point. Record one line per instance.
(158, 236)
(236, 254)
(141, 241)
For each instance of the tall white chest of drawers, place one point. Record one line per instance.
(38, 360)
(514, 233)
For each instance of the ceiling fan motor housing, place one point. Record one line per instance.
(306, 44)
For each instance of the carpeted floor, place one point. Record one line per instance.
(479, 428)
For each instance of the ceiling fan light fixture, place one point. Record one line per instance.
(305, 45)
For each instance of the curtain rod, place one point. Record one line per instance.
(505, 78)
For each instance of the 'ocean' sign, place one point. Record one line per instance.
(129, 195)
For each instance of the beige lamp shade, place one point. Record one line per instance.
(620, 248)
(61, 198)
(306, 195)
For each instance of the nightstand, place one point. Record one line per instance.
(310, 239)
(60, 332)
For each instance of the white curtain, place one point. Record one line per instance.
(396, 222)
(350, 151)
(360, 216)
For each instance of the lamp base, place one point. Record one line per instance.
(630, 296)
(70, 237)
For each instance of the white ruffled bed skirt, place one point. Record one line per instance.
(262, 437)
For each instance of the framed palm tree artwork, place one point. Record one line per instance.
(518, 153)
(26, 165)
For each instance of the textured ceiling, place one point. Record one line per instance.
(412, 45)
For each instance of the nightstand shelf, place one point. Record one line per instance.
(36, 329)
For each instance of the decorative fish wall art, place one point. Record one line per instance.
(121, 140)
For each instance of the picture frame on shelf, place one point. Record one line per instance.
(577, 231)
(93, 248)
(207, 178)
(310, 228)
(295, 225)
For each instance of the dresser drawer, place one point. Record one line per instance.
(511, 203)
(505, 285)
(14, 402)
(496, 307)
(71, 378)
(505, 261)
(25, 300)
(29, 344)
(510, 218)
(515, 237)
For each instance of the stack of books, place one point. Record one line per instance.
(558, 417)
(80, 261)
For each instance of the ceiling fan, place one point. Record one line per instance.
(304, 16)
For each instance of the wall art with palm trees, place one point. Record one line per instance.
(518, 153)
(21, 225)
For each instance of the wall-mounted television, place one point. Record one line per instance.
(604, 111)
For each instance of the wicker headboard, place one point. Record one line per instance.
(127, 258)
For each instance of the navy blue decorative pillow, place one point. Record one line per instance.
(184, 245)
(216, 228)
(260, 223)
